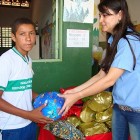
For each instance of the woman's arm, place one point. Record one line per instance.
(103, 83)
(97, 86)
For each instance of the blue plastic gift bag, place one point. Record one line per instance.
(54, 104)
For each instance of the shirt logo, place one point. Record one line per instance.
(19, 85)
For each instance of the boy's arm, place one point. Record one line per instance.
(34, 115)
(9, 108)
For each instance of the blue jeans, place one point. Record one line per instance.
(125, 123)
(26, 133)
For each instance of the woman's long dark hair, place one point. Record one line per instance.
(120, 30)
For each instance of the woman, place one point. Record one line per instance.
(120, 69)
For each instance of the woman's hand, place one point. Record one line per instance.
(70, 91)
(70, 99)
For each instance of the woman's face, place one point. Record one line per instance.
(109, 21)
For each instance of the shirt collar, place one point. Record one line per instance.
(26, 58)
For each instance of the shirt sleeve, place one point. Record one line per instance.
(124, 57)
(5, 67)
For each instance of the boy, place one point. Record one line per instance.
(17, 116)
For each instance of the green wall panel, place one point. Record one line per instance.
(74, 69)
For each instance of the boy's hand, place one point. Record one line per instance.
(36, 116)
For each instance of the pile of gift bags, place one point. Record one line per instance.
(88, 118)
(93, 116)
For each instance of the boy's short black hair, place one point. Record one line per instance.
(20, 21)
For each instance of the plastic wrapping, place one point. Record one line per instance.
(100, 101)
(64, 130)
(91, 117)
(54, 104)
(93, 128)
(109, 124)
(74, 120)
(87, 115)
(96, 114)
(87, 125)
(104, 116)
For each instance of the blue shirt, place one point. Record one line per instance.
(126, 90)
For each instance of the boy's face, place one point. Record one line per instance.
(24, 38)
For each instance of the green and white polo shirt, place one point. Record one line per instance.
(16, 84)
